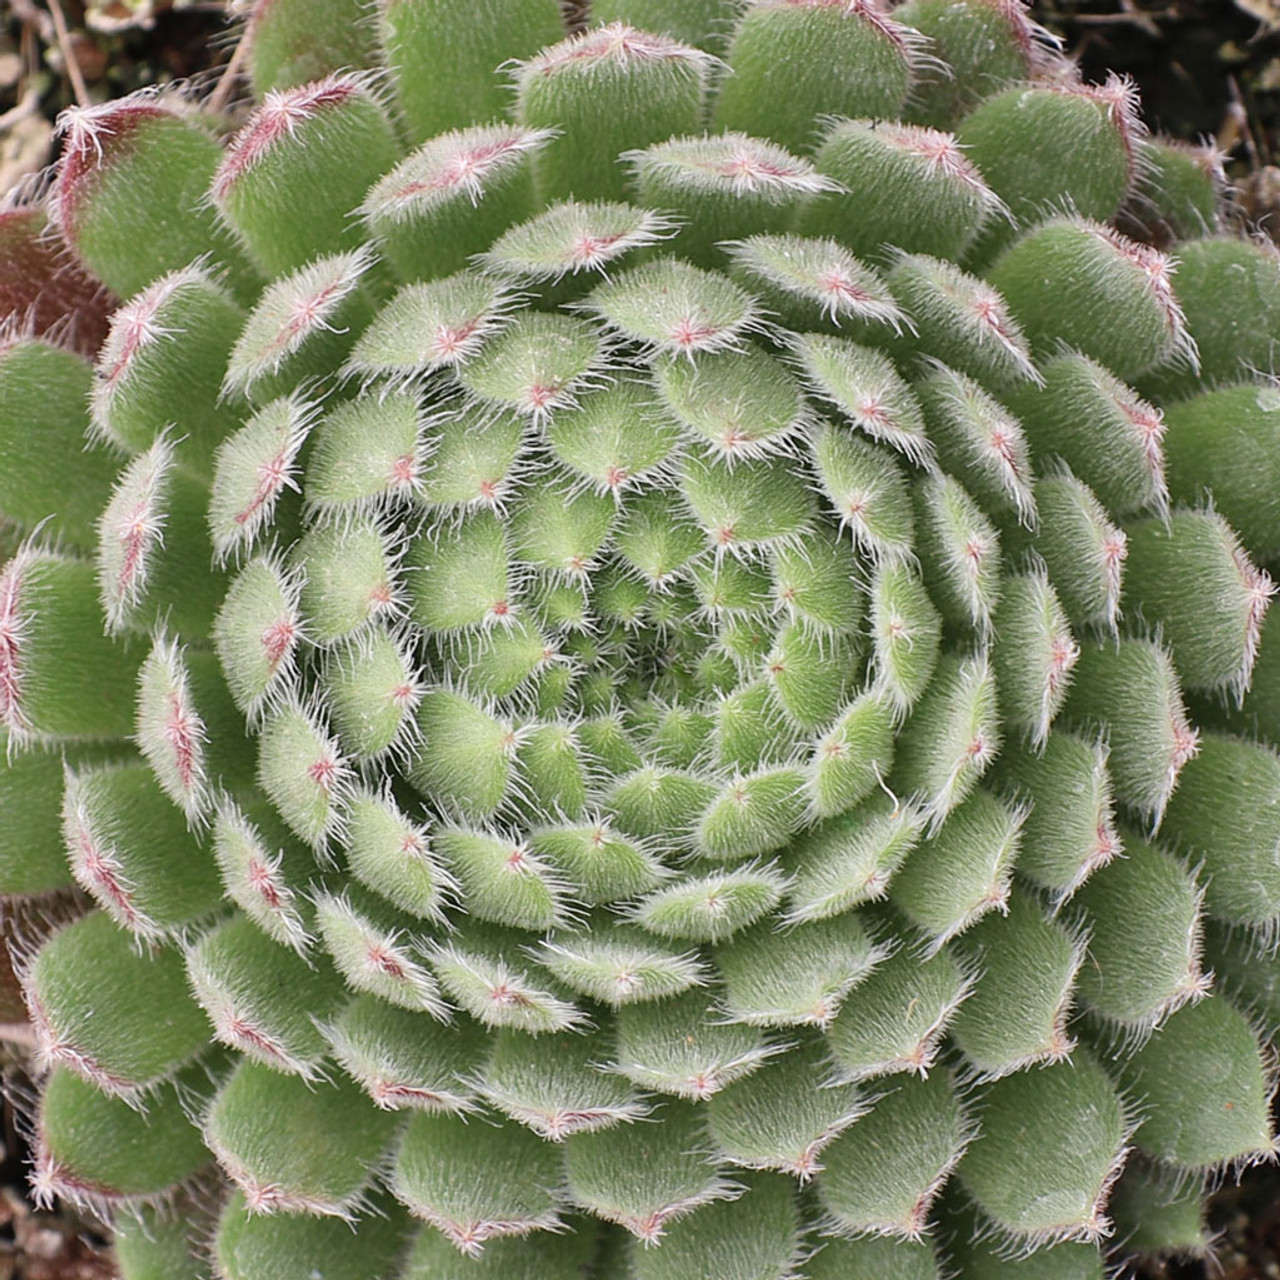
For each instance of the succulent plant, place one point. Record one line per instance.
(641, 653)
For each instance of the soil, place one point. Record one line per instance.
(37, 1244)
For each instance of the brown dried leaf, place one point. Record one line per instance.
(1266, 11)
(25, 149)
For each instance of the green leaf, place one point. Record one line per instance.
(1050, 1143)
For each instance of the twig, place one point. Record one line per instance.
(1130, 15)
(218, 99)
(27, 105)
(74, 74)
(18, 1033)
(1238, 117)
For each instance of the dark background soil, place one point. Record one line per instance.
(1207, 69)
